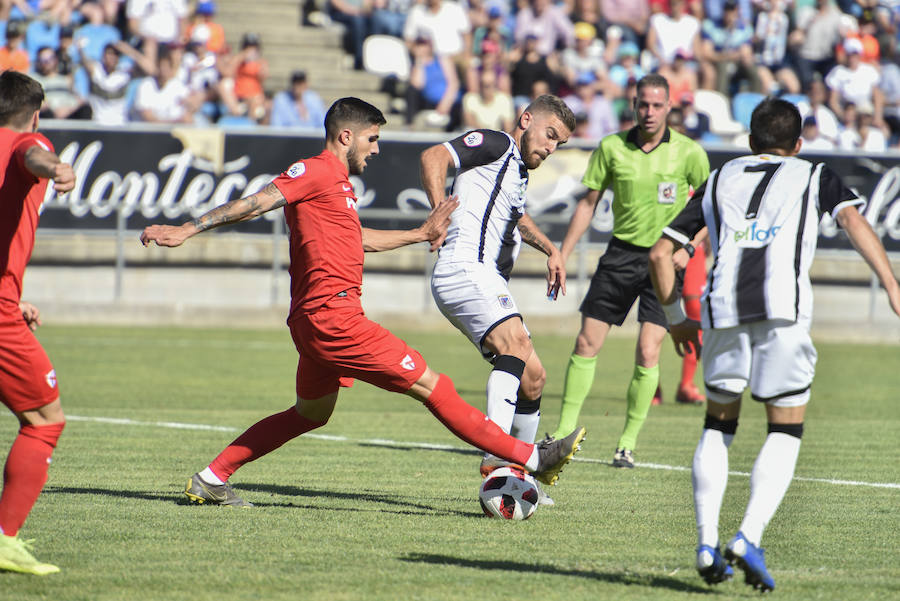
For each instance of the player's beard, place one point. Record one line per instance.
(355, 164)
(531, 160)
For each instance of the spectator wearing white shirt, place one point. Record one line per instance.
(856, 82)
(109, 80)
(444, 22)
(668, 34)
(161, 20)
(860, 132)
(813, 140)
(164, 98)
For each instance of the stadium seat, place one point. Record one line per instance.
(236, 121)
(386, 55)
(798, 99)
(742, 106)
(715, 106)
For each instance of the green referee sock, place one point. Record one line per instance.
(577, 385)
(640, 394)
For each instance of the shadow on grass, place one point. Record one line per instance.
(401, 503)
(366, 500)
(628, 579)
(418, 448)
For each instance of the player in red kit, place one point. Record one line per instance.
(27, 379)
(336, 342)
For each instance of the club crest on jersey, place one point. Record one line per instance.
(666, 193)
(408, 364)
(506, 301)
(474, 139)
(296, 170)
(51, 378)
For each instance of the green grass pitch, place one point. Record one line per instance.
(373, 514)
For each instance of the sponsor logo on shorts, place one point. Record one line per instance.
(408, 363)
(296, 170)
(755, 234)
(51, 378)
(506, 301)
(474, 139)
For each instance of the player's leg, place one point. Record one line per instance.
(644, 380)
(28, 387)
(528, 406)
(694, 281)
(544, 460)
(580, 372)
(609, 298)
(511, 346)
(727, 371)
(317, 388)
(783, 368)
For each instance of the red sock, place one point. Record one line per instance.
(473, 426)
(694, 280)
(26, 473)
(259, 439)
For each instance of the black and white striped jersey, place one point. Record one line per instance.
(763, 214)
(490, 183)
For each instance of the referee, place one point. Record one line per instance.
(650, 168)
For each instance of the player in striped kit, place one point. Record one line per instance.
(470, 278)
(762, 212)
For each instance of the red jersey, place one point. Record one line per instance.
(21, 195)
(325, 233)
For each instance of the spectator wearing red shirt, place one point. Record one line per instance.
(28, 384)
(336, 341)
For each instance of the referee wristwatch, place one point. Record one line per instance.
(690, 249)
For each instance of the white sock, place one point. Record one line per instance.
(709, 477)
(209, 477)
(534, 461)
(525, 426)
(772, 474)
(502, 390)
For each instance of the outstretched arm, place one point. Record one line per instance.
(556, 267)
(235, 211)
(433, 230)
(866, 242)
(662, 273)
(43, 163)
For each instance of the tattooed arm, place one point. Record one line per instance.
(235, 211)
(556, 267)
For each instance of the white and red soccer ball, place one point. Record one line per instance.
(509, 493)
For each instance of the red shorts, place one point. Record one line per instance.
(27, 378)
(338, 343)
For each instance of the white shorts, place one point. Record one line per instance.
(776, 358)
(475, 298)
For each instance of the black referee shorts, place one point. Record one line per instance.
(622, 277)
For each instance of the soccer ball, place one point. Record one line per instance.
(508, 493)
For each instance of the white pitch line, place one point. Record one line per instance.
(441, 447)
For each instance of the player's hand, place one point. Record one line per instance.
(686, 335)
(164, 235)
(63, 178)
(556, 275)
(435, 226)
(31, 314)
(680, 259)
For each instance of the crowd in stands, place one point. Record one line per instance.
(475, 63)
(157, 61)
